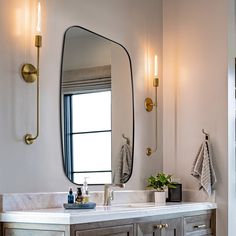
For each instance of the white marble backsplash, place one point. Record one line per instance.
(31, 201)
(34, 201)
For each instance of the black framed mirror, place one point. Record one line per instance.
(96, 108)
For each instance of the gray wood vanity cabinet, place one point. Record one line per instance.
(202, 224)
(196, 223)
(190, 224)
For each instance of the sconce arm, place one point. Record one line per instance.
(30, 74)
(149, 104)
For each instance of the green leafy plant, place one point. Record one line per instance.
(160, 182)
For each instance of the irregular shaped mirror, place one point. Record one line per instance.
(97, 112)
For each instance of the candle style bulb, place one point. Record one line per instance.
(155, 67)
(39, 20)
(155, 80)
(38, 36)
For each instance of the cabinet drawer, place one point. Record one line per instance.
(125, 230)
(200, 225)
(167, 227)
(30, 232)
(21, 229)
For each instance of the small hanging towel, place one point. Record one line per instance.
(203, 168)
(124, 166)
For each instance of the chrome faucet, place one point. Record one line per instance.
(109, 194)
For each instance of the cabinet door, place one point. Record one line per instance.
(149, 229)
(126, 230)
(172, 227)
(169, 227)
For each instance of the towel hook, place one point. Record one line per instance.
(206, 134)
(126, 138)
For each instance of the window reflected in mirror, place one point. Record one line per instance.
(89, 136)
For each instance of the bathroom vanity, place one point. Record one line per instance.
(134, 219)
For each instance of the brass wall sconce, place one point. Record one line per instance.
(149, 105)
(30, 73)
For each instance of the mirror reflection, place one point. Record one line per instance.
(97, 117)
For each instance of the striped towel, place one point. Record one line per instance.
(203, 168)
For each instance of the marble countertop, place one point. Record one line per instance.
(101, 213)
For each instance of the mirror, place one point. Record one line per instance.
(97, 110)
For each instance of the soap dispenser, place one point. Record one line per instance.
(70, 196)
(79, 197)
(85, 191)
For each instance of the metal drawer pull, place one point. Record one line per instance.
(158, 226)
(199, 226)
(165, 225)
(161, 226)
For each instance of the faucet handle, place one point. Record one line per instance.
(111, 194)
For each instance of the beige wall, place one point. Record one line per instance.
(38, 168)
(196, 54)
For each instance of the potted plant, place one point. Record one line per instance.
(160, 183)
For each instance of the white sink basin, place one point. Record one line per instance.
(128, 206)
(135, 205)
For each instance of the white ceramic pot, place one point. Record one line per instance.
(160, 198)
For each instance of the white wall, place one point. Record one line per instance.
(38, 168)
(196, 54)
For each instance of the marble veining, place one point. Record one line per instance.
(33, 201)
(27, 201)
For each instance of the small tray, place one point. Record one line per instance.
(88, 205)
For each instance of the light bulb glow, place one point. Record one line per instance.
(39, 19)
(155, 67)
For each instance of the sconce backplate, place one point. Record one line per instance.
(148, 151)
(29, 73)
(28, 139)
(148, 104)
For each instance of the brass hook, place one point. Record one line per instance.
(126, 138)
(206, 134)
